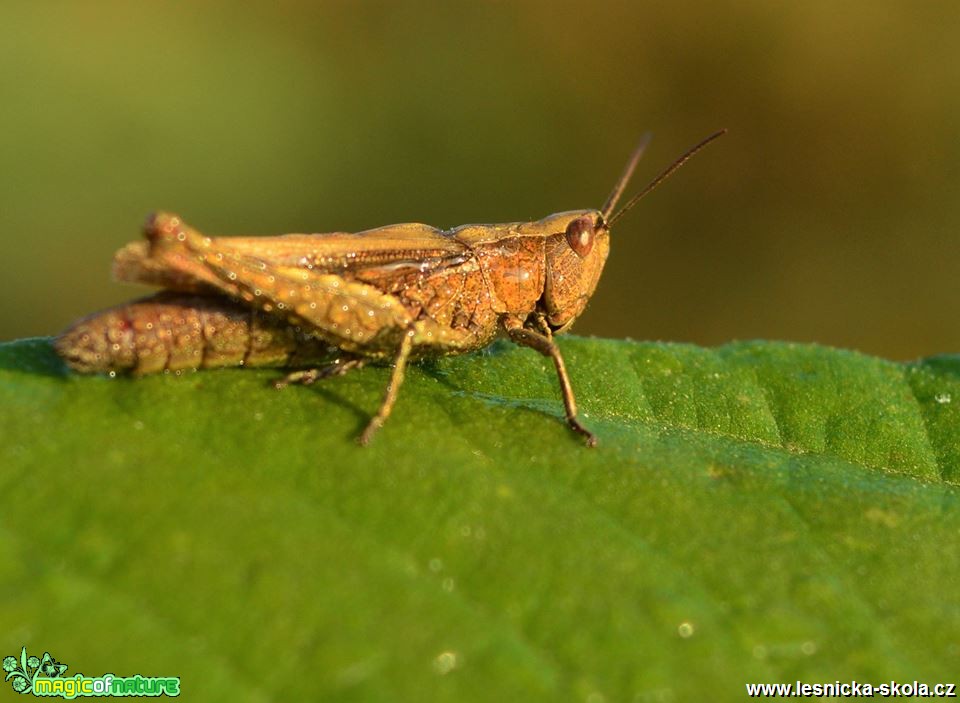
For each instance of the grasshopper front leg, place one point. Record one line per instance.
(543, 343)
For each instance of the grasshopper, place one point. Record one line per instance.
(338, 300)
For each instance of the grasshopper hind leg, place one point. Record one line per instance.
(346, 364)
(393, 388)
(304, 377)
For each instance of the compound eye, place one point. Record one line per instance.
(580, 235)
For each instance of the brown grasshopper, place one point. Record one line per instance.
(393, 293)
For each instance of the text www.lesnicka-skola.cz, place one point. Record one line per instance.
(852, 689)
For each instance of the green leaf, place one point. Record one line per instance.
(760, 512)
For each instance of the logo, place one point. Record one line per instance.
(44, 676)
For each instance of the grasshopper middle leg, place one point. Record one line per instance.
(305, 377)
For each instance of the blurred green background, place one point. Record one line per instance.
(828, 214)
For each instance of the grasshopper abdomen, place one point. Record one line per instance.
(177, 332)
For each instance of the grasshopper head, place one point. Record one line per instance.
(575, 256)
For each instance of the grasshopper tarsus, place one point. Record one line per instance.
(590, 438)
(366, 436)
(301, 377)
(341, 368)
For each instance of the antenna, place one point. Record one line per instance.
(631, 165)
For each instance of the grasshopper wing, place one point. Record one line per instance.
(168, 259)
(295, 282)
